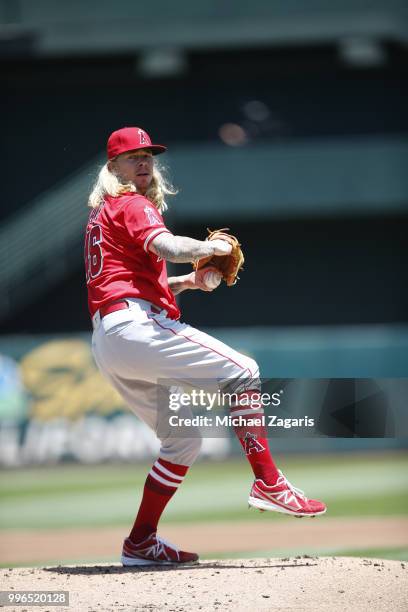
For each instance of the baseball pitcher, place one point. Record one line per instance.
(138, 337)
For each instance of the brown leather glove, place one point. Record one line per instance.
(228, 265)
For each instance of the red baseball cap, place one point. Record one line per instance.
(129, 139)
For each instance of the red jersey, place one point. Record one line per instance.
(117, 260)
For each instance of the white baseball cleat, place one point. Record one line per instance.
(283, 497)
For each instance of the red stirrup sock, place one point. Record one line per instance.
(161, 483)
(253, 437)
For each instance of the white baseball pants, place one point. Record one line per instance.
(136, 347)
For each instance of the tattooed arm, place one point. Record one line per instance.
(181, 249)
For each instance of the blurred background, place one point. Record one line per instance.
(286, 122)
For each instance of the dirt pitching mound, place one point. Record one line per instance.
(300, 583)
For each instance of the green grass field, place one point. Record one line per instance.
(75, 496)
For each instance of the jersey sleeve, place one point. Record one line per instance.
(143, 221)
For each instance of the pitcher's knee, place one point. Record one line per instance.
(183, 451)
(245, 378)
(252, 368)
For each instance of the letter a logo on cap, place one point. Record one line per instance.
(142, 137)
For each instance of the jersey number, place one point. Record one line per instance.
(93, 252)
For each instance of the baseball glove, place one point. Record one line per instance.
(228, 265)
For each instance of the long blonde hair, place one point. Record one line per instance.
(108, 183)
